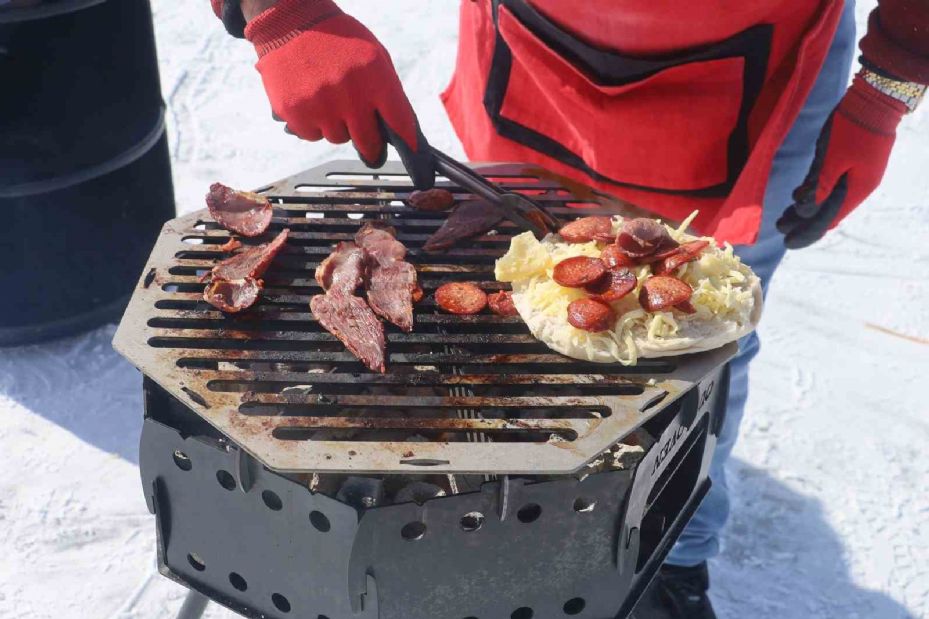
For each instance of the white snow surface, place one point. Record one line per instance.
(830, 514)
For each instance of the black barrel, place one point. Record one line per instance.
(85, 178)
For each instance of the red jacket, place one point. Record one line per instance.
(673, 112)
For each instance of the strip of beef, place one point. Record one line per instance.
(351, 320)
(389, 280)
(469, 219)
(235, 284)
(252, 262)
(380, 241)
(232, 296)
(244, 212)
(343, 270)
(390, 292)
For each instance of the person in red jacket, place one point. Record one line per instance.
(740, 110)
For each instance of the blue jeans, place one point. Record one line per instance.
(700, 539)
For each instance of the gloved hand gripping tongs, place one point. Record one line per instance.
(423, 164)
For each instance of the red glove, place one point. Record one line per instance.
(327, 76)
(851, 156)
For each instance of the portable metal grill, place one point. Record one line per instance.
(248, 416)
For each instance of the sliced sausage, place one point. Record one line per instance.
(586, 229)
(613, 286)
(501, 303)
(591, 315)
(460, 298)
(686, 306)
(667, 249)
(578, 271)
(685, 253)
(642, 237)
(663, 291)
(434, 199)
(613, 257)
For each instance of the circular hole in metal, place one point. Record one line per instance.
(196, 562)
(523, 612)
(272, 500)
(319, 521)
(584, 505)
(529, 512)
(413, 530)
(225, 479)
(574, 606)
(237, 581)
(280, 602)
(472, 521)
(182, 461)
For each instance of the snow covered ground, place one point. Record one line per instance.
(831, 510)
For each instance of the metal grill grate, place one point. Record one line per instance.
(463, 394)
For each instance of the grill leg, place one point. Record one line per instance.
(194, 605)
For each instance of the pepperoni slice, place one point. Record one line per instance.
(460, 298)
(613, 286)
(686, 306)
(605, 237)
(685, 253)
(586, 229)
(666, 250)
(663, 291)
(434, 199)
(501, 303)
(591, 315)
(642, 237)
(613, 257)
(578, 271)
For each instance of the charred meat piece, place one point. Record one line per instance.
(389, 279)
(343, 270)
(469, 219)
(252, 262)
(390, 292)
(235, 283)
(351, 320)
(434, 199)
(244, 212)
(233, 296)
(380, 241)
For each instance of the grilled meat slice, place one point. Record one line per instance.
(390, 292)
(252, 262)
(233, 296)
(389, 279)
(469, 219)
(343, 270)
(244, 212)
(351, 320)
(380, 241)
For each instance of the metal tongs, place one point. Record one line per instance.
(516, 207)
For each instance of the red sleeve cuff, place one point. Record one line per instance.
(883, 51)
(285, 20)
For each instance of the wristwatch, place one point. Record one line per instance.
(909, 93)
(233, 19)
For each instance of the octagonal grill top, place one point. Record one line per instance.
(463, 394)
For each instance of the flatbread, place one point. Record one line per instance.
(629, 340)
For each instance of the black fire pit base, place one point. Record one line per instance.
(262, 544)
